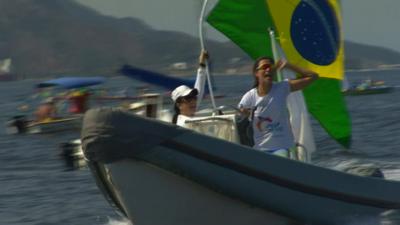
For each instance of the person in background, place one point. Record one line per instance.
(186, 99)
(265, 105)
(185, 104)
(46, 110)
(78, 101)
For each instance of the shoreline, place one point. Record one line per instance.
(186, 75)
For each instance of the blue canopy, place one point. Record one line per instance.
(72, 82)
(155, 78)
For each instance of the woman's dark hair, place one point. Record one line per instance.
(177, 112)
(256, 64)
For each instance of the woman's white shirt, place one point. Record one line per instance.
(270, 122)
(200, 83)
(181, 120)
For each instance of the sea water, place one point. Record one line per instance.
(39, 187)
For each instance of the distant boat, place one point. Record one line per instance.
(72, 153)
(22, 124)
(367, 87)
(5, 70)
(19, 124)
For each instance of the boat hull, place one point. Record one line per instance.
(369, 91)
(149, 195)
(19, 125)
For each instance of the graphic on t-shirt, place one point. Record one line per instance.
(267, 124)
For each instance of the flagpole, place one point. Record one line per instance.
(275, 54)
(202, 45)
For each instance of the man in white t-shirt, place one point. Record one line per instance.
(265, 104)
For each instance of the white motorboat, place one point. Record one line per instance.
(158, 173)
(55, 123)
(21, 125)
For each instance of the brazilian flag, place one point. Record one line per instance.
(309, 32)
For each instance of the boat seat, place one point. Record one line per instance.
(219, 126)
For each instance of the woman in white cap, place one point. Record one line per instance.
(185, 106)
(186, 99)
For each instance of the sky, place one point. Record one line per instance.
(373, 22)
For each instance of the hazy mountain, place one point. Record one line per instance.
(47, 37)
(358, 56)
(60, 37)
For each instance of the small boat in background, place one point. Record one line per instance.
(5, 70)
(367, 87)
(20, 124)
(55, 121)
(7, 77)
(72, 154)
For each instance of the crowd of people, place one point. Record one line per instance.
(77, 104)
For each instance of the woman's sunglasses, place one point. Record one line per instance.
(189, 98)
(264, 67)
